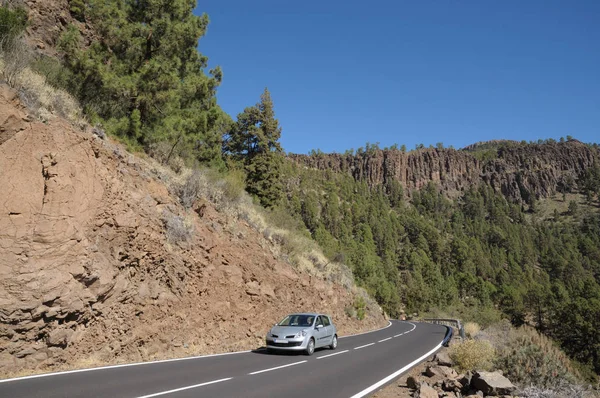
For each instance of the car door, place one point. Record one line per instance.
(329, 334)
(320, 333)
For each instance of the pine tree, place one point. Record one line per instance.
(144, 78)
(254, 140)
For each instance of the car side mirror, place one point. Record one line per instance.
(319, 326)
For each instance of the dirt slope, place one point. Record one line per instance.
(88, 277)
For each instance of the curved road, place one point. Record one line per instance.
(360, 365)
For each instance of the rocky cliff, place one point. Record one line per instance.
(519, 171)
(88, 276)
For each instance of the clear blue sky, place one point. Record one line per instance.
(343, 73)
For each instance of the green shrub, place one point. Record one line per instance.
(12, 25)
(473, 355)
(234, 186)
(360, 307)
(357, 310)
(70, 40)
(77, 9)
(15, 55)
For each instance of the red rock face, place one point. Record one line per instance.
(516, 172)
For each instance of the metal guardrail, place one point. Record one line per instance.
(454, 323)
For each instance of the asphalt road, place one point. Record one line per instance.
(360, 365)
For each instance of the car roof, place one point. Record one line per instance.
(307, 313)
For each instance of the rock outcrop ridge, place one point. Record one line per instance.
(520, 172)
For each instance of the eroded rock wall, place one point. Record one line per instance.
(517, 171)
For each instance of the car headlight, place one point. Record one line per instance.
(301, 334)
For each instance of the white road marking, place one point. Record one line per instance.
(398, 335)
(330, 355)
(397, 373)
(381, 341)
(363, 346)
(278, 367)
(185, 388)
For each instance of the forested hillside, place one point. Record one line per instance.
(463, 232)
(479, 255)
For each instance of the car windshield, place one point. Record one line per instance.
(297, 320)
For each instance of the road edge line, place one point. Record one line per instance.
(395, 374)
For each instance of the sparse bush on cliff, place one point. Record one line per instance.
(190, 189)
(529, 358)
(473, 355)
(14, 53)
(177, 228)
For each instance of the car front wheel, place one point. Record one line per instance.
(310, 348)
(334, 343)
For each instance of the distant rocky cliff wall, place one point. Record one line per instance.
(517, 171)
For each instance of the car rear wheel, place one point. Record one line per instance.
(310, 348)
(334, 343)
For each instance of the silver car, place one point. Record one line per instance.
(303, 332)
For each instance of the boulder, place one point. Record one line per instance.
(267, 290)
(492, 383)
(59, 337)
(452, 385)
(443, 371)
(425, 391)
(448, 394)
(465, 379)
(443, 359)
(126, 220)
(413, 382)
(252, 288)
(25, 352)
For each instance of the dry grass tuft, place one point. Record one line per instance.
(472, 329)
(178, 229)
(473, 355)
(43, 100)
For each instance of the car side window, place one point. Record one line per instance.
(319, 321)
(325, 320)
